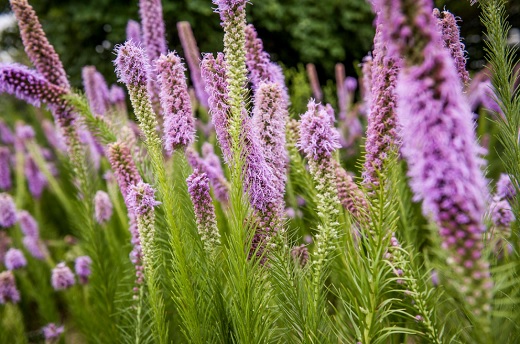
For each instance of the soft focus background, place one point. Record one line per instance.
(294, 31)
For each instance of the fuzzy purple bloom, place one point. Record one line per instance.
(259, 179)
(36, 180)
(133, 31)
(154, 40)
(447, 24)
(40, 51)
(102, 207)
(318, 138)
(227, 8)
(8, 290)
(132, 67)
(123, 166)
(213, 171)
(152, 22)
(52, 332)
(501, 213)
(24, 132)
(96, 90)
(198, 188)
(62, 277)
(257, 60)
(439, 142)
(269, 120)
(6, 135)
(28, 85)
(141, 199)
(14, 259)
(192, 54)
(117, 95)
(214, 75)
(7, 211)
(179, 124)
(5, 169)
(505, 189)
(482, 94)
(28, 224)
(382, 119)
(35, 247)
(82, 267)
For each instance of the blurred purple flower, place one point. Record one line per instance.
(5, 169)
(62, 277)
(14, 259)
(40, 51)
(102, 207)
(133, 31)
(82, 267)
(8, 290)
(7, 211)
(179, 124)
(52, 332)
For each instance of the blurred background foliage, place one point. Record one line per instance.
(323, 32)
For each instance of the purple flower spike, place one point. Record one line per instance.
(5, 169)
(102, 207)
(154, 38)
(257, 60)
(439, 143)
(62, 277)
(132, 67)
(35, 247)
(382, 119)
(505, 189)
(28, 224)
(214, 75)
(213, 170)
(24, 132)
(270, 119)
(198, 187)
(141, 199)
(318, 138)
(52, 333)
(82, 268)
(27, 85)
(133, 32)
(447, 24)
(179, 124)
(96, 90)
(7, 211)
(14, 259)
(36, 180)
(123, 166)
(8, 290)
(40, 51)
(6, 135)
(192, 54)
(501, 213)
